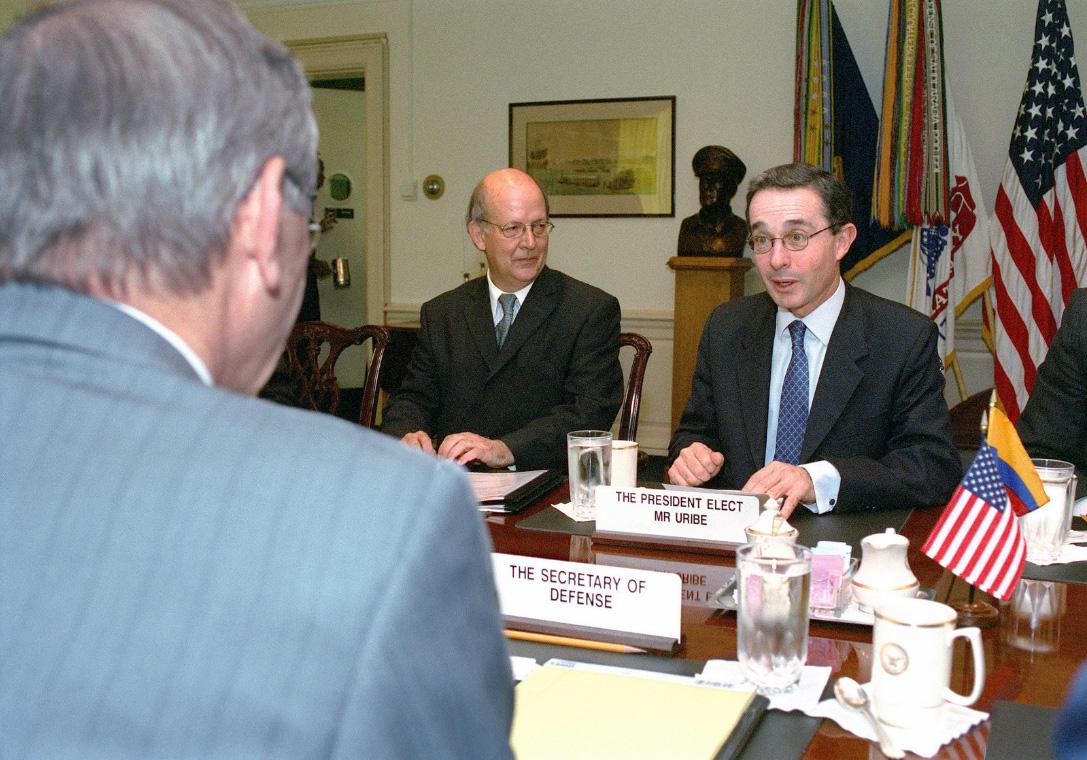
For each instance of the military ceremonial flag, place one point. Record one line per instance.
(835, 125)
(1038, 251)
(977, 537)
(949, 263)
(911, 181)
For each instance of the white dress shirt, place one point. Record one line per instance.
(819, 325)
(170, 337)
(494, 292)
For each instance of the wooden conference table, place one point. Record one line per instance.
(1030, 659)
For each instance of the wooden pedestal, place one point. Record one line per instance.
(702, 282)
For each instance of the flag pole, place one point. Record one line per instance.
(979, 612)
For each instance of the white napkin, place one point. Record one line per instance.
(803, 696)
(1070, 552)
(568, 510)
(949, 723)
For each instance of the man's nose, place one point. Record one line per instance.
(779, 254)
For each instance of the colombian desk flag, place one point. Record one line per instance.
(977, 537)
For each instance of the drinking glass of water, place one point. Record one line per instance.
(772, 613)
(588, 455)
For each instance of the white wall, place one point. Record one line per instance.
(455, 65)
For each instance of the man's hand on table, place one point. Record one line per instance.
(466, 448)
(788, 483)
(695, 465)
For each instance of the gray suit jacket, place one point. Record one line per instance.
(878, 414)
(557, 371)
(188, 572)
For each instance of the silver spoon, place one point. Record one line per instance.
(851, 694)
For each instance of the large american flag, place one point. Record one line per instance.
(1038, 248)
(977, 537)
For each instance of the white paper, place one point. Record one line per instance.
(494, 486)
(951, 722)
(803, 696)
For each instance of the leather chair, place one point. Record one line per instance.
(628, 414)
(315, 377)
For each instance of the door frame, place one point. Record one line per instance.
(368, 53)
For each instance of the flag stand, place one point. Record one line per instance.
(979, 613)
(975, 612)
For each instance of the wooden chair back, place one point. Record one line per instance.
(314, 369)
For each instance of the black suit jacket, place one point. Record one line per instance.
(1054, 421)
(878, 414)
(557, 371)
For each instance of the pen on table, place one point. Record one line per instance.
(546, 638)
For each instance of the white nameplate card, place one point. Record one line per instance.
(586, 601)
(695, 517)
(701, 581)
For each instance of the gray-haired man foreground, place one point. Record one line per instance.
(186, 571)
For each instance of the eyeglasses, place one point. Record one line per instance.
(517, 229)
(794, 240)
(314, 234)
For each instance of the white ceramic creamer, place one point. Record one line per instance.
(884, 574)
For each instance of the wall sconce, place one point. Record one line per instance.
(341, 273)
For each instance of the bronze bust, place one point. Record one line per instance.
(715, 230)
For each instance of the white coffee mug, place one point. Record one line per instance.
(624, 464)
(911, 661)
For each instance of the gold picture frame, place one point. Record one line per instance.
(613, 157)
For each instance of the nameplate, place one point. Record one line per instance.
(700, 581)
(605, 603)
(697, 517)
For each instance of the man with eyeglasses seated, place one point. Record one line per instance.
(506, 365)
(815, 392)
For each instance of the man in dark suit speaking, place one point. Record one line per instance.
(506, 365)
(815, 392)
(187, 571)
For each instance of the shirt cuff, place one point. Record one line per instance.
(826, 481)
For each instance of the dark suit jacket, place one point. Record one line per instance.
(878, 414)
(1054, 421)
(558, 370)
(188, 572)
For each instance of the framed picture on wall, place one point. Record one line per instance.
(612, 157)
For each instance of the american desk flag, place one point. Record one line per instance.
(977, 537)
(1038, 236)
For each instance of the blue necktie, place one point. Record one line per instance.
(793, 409)
(508, 301)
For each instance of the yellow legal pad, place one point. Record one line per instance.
(567, 713)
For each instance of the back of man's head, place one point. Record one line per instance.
(131, 130)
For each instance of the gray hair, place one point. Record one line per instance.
(131, 131)
(836, 198)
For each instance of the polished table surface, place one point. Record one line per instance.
(1029, 658)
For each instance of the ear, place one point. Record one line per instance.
(844, 240)
(256, 223)
(475, 231)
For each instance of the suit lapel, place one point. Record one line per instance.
(480, 321)
(538, 305)
(840, 375)
(754, 376)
